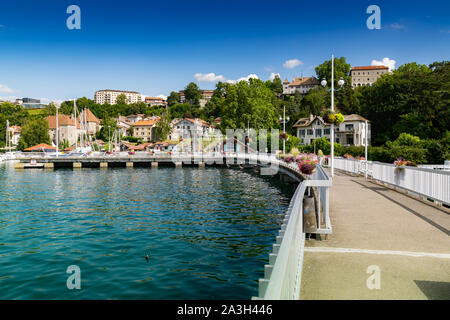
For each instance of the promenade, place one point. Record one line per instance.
(408, 240)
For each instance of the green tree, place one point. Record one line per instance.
(277, 85)
(341, 70)
(414, 99)
(121, 99)
(33, 133)
(248, 102)
(109, 125)
(192, 94)
(162, 128)
(315, 101)
(173, 98)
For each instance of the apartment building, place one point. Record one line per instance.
(366, 76)
(145, 129)
(350, 132)
(155, 101)
(300, 84)
(206, 96)
(110, 96)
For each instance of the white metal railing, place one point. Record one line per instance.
(425, 182)
(282, 276)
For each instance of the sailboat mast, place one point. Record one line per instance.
(75, 121)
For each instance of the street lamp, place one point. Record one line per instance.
(340, 83)
(284, 120)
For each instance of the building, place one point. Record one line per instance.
(300, 84)
(92, 122)
(124, 125)
(206, 96)
(133, 118)
(42, 147)
(145, 129)
(187, 128)
(110, 96)
(68, 128)
(350, 132)
(366, 76)
(14, 133)
(30, 100)
(155, 101)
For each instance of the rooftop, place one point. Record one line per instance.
(369, 68)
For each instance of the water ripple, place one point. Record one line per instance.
(207, 232)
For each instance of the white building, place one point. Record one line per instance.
(366, 76)
(14, 133)
(155, 101)
(187, 128)
(350, 132)
(110, 96)
(300, 84)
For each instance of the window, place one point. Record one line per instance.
(310, 132)
(326, 131)
(350, 139)
(301, 132)
(349, 127)
(318, 132)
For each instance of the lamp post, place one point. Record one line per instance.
(340, 83)
(284, 120)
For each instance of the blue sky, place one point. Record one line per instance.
(155, 47)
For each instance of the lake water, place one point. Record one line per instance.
(207, 232)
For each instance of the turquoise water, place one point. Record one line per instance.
(207, 232)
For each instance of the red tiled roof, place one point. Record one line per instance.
(369, 68)
(90, 117)
(39, 147)
(63, 120)
(145, 123)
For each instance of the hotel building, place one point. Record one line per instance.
(110, 96)
(366, 76)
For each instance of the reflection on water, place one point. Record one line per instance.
(207, 232)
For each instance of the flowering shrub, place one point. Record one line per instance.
(332, 117)
(283, 136)
(289, 159)
(400, 162)
(348, 156)
(307, 167)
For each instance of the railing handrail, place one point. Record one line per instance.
(283, 274)
(425, 182)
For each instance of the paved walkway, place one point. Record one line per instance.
(407, 240)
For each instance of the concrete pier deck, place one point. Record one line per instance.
(406, 239)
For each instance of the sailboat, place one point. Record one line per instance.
(85, 140)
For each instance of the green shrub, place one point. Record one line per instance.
(414, 154)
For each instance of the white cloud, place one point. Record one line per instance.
(385, 62)
(5, 89)
(208, 77)
(291, 64)
(9, 98)
(162, 96)
(273, 75)
(250, 76)
(268, 69)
